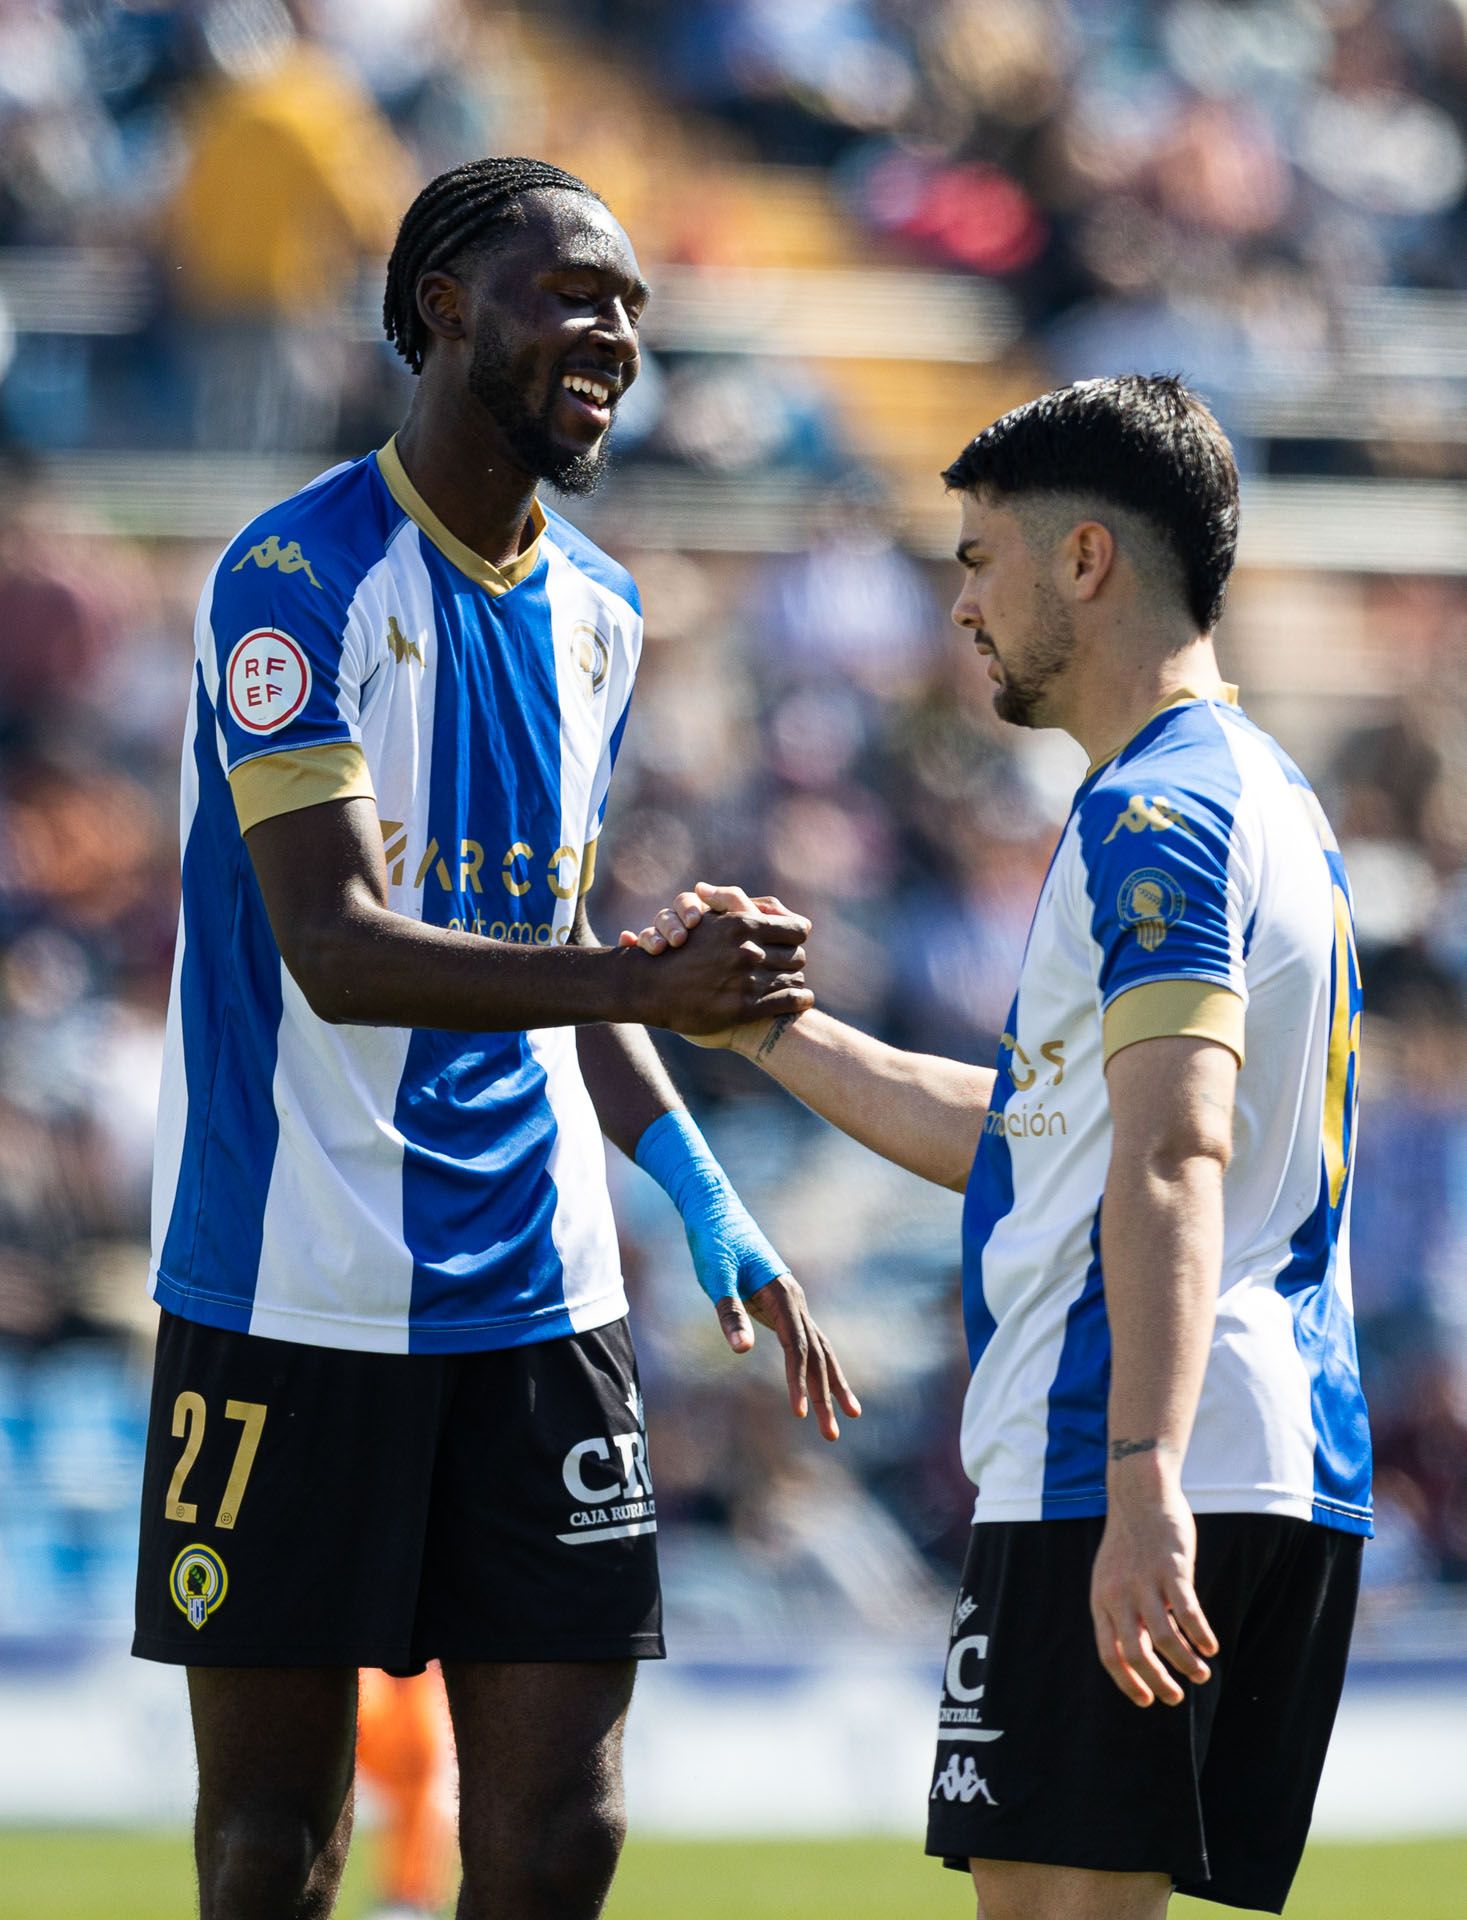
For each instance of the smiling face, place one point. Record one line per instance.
(1010, 604)
(549, 320)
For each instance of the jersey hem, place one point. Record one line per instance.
(1324, 1512)
(233, 1315)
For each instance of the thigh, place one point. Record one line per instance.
(285, 1494)
(542, 1535)
(274, 1743)
(1040, 1758)
(1015, 1890)
(1281, 1671)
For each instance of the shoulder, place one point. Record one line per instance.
(1185, 778)
(589, 561)
(314, 548)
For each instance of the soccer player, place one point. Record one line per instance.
(1165, 1422)
(396, 1414)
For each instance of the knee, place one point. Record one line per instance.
(267, 1862)
(560, 1869)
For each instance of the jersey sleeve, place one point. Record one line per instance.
(1168, 900)
(285, 654)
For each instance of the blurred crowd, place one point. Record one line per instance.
(1146, 179)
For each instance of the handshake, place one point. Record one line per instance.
(725, 987)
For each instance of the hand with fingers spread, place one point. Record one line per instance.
(1149, 1625)
(672, 926)
(740, 1271)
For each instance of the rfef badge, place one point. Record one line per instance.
(198, 1583)
(1150, 901)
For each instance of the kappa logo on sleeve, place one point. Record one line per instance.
(289, 558)
(268, 680)
(1140, 814)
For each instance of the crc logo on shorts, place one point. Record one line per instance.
(268, 680)
(960, 1716)
(608, 1478)
(198, 1583)
(1150, 901)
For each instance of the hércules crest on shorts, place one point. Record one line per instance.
(198, 1583)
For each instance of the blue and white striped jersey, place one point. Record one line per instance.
(1197, 888)
(378, 1188)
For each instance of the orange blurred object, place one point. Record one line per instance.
(405, 1753)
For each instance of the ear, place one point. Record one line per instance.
(441, 305)
(1087, 558)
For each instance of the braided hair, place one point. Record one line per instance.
(461, 208)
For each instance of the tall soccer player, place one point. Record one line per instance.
(1165, 1422)
(396, 1414)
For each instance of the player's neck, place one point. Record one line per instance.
(1126, 686)
(466, 476)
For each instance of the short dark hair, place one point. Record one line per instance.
(1139, 441)
(469, 206)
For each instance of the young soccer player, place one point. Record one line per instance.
(1165, 1423)
(396, 1414)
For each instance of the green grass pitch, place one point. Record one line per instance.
(106, 1876)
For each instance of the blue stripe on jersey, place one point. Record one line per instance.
(1324, 1327)
(472, 1109)
(989, 1196)
(217, 1223)
(595, 564)
(1074, 1457)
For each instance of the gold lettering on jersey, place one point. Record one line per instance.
(399, 646)
(394, 848)
(563, 874)
(1022, 1070)
(512, 881)
(1028, 1123)
(289, 559)
(431, 861)
(1139, 814)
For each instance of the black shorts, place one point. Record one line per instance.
(1040, 1757)
(304, 1506)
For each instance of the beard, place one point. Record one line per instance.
(1020, 700)
(528, 435)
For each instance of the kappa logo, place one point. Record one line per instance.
(961, 1782)
(1141, 814)
(289, 559)
(401, 648)
(198, 1582)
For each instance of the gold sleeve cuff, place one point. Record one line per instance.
(588, 867)
(286, 782)
(1198, 1009)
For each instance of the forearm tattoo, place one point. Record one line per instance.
(1123, 1449)
(775, 1034)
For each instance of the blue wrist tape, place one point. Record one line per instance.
(730, 1254)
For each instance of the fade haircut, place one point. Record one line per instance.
(1140, 442)
(470, 207)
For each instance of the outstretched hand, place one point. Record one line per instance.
(812, 1373)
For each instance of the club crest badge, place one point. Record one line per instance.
(591, 651)
(198, 1583)
(1151, 902)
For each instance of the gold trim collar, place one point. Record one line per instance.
(1226, 692)
(481, 571)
